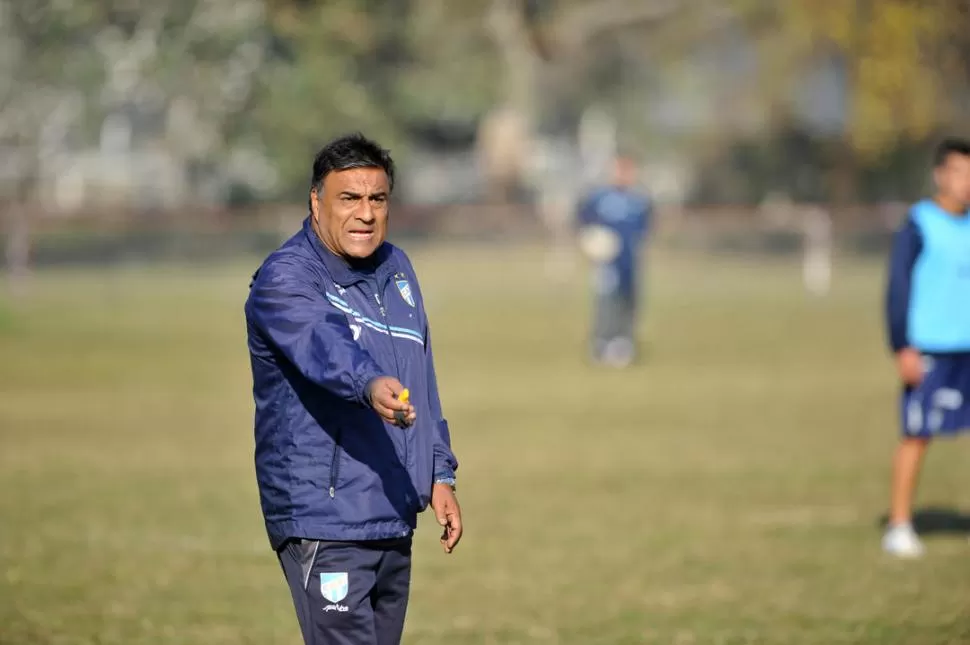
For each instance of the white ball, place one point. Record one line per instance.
(599, 243)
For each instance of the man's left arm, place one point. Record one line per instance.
(444, 503)
(445, 463)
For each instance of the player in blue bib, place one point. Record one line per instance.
(928, 320)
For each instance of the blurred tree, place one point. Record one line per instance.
(444, 69)
(46, 72)
(190, 66)
(313, 86)
(435, 71)
(73, 64)
(399, 70)
(890, 54)
(557, 54)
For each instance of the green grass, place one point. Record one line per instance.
(727, 491)
(6, 317)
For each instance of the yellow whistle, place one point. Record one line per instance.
(404, 395)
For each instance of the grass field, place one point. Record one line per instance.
(727, 491)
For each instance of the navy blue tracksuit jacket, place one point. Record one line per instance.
(328, 467)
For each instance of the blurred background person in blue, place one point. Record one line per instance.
(614, 222)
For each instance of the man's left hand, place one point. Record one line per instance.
(448, 513)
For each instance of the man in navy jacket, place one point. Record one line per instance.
(337, 331)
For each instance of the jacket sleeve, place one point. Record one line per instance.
(445, 462)
(906, 247)
(310, 332)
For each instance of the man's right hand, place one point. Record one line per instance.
(909, 363)
(383, 394)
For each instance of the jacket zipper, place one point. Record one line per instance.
(397, 366)
(377, 296)
(335, 466)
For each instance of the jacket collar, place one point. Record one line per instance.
(380, 266)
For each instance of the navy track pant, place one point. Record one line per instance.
(349, 593)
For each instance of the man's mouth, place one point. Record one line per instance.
(361, 235)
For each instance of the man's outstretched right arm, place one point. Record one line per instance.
(313, 335)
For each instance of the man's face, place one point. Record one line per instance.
(624, 172)
(350, 215)
(953, 179)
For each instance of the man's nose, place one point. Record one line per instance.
(366, 213)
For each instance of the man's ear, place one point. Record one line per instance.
(315, 205)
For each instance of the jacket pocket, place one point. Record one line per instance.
(335, 465)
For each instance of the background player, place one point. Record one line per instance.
(614, 221)
(928, 319)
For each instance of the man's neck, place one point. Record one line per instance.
(366, 265)
(952, 206)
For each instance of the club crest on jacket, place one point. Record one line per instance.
(405, 288)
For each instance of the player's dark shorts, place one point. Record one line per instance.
(940, 405)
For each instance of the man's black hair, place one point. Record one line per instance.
(950, 146)
(350, 151)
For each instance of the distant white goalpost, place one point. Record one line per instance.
(815, 226)
(817, 256)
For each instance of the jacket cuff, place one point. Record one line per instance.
(363, 387)
(443, 476)
(446, 481)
